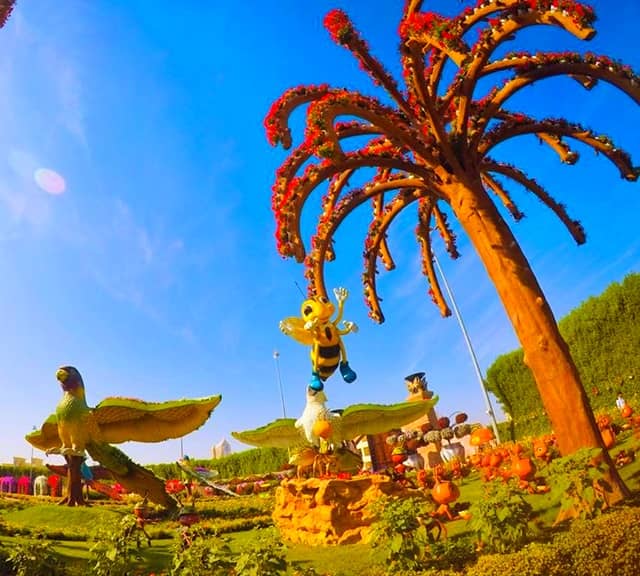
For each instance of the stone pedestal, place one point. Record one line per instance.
(330, 511)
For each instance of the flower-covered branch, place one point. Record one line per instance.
(514, 17)
(298, 157)
(532, 68)
(378, 205)
(423, 234)
(344, 33)
(430, 144)
(560, 127)
(330, 221)
(504, 196)
(573, 226)
(446, 233)
(320, 132)
(276, 121)
(288, 214)
(373, 241)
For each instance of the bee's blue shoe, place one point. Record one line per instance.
(316, 384)
(348, 375)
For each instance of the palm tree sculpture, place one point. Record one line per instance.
(432, 146)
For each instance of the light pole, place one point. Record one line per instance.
(31, 466)
(474, 360)
(276, 356)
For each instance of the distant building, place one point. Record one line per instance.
(222, 448)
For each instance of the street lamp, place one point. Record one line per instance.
(474, 360)
(276, 356)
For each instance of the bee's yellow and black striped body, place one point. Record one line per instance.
(316, 328)
(325, 352)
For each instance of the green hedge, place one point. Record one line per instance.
(606, 546)
(238, 465)
(602, 334)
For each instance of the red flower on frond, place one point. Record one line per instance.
(421, 22)
(339, 26)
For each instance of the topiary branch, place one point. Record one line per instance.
(561, 128)
(423, 234)
(516, 17)
(504, 196)
(378, 205)
(530, 69)
(303, 153)
(446, 233)
(336, 186)
(329, 222)
(573, 226)
(372, 246)
(276, 121)
(344, 33)
(321, 134)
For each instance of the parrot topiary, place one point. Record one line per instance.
(76, 427)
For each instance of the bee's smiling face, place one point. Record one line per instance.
(318, 308)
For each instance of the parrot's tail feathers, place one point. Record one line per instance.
(132, 476)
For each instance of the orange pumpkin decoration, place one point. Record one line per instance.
(495, 459)
(322, 429)
(445, 492)
(523, 468)
(480, 436)
(540, 449)
(626, 411)
(604, 421)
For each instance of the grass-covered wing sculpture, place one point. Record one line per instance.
(356, 420)
(76, 427)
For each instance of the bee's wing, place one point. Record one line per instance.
(294, 327)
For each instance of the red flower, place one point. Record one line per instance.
(339, 26)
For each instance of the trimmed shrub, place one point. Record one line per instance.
(606, 546)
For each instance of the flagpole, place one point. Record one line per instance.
(474, 360)
(276, 356)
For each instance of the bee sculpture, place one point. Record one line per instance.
(316, 329)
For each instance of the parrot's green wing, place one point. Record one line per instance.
(47, 437)
(281, 433)
(361, 419)
(129, 419)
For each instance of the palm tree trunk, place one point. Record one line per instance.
(545, 351)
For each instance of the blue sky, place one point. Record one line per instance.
(155, 272)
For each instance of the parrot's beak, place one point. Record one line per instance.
(68, 384)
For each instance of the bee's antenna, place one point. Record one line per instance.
(298, 287)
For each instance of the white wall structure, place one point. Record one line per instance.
(222, 448)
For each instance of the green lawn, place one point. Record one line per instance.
(75, 530)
